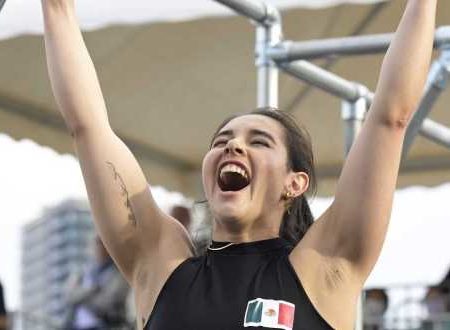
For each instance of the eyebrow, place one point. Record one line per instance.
(223, 133)
(253, 131)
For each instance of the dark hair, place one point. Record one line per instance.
(378, 293)
(298, 218)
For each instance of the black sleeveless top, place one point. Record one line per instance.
(244, 285)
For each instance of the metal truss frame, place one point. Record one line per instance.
(274, 54)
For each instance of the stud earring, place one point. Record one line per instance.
(288, 195)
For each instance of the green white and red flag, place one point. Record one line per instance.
(269, 313)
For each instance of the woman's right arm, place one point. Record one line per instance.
(126, 216)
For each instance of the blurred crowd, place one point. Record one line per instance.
(96, 296)
(437, 302)
(435, 305)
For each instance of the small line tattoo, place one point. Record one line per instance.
(124, 192)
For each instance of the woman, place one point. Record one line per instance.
(250, 275)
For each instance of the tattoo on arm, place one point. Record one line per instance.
(124, 192)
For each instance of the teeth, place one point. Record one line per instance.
(233, 168)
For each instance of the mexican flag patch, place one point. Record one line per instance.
(269, 313)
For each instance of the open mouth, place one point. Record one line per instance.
(232, 178)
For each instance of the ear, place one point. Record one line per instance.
(297, 183)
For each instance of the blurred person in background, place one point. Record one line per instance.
(446, 280)
(199, 235)
(183, 215)
(375, 305)
(445, 283)
(437, 305)
(3, 315)
(97, 298)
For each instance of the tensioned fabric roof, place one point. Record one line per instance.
(172, 70)
(101, 13)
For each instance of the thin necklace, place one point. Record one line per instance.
(221, 248)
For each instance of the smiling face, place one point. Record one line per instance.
(245, 174)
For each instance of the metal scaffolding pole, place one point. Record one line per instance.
(256, 10)
(267, 69)
(288, 51)
(437, 81)
(436, 132)
(351, 91)
(326, 81)
(268, 35)
(353, 114)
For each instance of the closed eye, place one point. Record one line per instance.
(219, 143)
(260, 142)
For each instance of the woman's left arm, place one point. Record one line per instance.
(355, 225)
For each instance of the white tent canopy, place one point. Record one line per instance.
(101, 13)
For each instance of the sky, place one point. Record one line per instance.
(33, 177)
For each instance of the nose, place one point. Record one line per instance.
(234, 147)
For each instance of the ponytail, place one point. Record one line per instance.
(296, 220)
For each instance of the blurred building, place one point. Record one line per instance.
(54, 246)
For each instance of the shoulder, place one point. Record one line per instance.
(327, 279)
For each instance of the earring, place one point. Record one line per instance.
(288, 195)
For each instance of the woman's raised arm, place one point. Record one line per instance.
(354, 227)
(126, 216)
